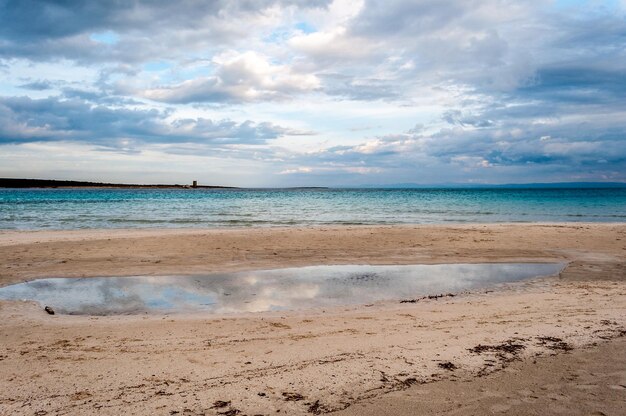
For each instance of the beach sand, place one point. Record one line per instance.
(544, 346)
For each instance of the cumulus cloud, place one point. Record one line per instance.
(499, 87)
(243, 77)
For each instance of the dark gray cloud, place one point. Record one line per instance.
(143, 29)
(24, 120)
(489, 46)
(395, 17)
(50, 19)
(582, 83)
(594, 148)
(351, 88)
(40, 85)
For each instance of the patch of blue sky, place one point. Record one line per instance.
(283, 33)
(156, 66)
(183, 73)
(278, 35)
(305, 27)
(108, 38)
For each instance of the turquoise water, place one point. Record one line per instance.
(140, 208)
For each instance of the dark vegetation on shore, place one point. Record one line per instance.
(49, 183)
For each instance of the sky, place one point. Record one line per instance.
(266, 93)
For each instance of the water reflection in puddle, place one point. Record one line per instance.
(266, 290)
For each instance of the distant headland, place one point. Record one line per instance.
(50, 183)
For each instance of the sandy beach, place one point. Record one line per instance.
(550, 345)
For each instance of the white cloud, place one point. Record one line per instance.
(334, 44)
(302, 169)
(245, 77)
(497, 84)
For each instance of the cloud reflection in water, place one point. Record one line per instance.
(266, 290)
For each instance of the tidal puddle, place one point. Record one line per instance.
(266, 290)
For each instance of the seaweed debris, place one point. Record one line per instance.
(435, 297)
(219, 404)
(447, 365)
(554, 343)
(506, 352)
(507, 347)
(292, 397)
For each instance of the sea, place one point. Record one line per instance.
(63, 208)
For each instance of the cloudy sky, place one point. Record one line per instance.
(321, 92)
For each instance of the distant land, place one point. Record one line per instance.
(51, 183)
(546, 185)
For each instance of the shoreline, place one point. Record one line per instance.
(28, 255)
(359, 358)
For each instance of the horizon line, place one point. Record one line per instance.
(63, 183)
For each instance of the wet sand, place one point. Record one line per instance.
(385, 357)
(581, 382)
